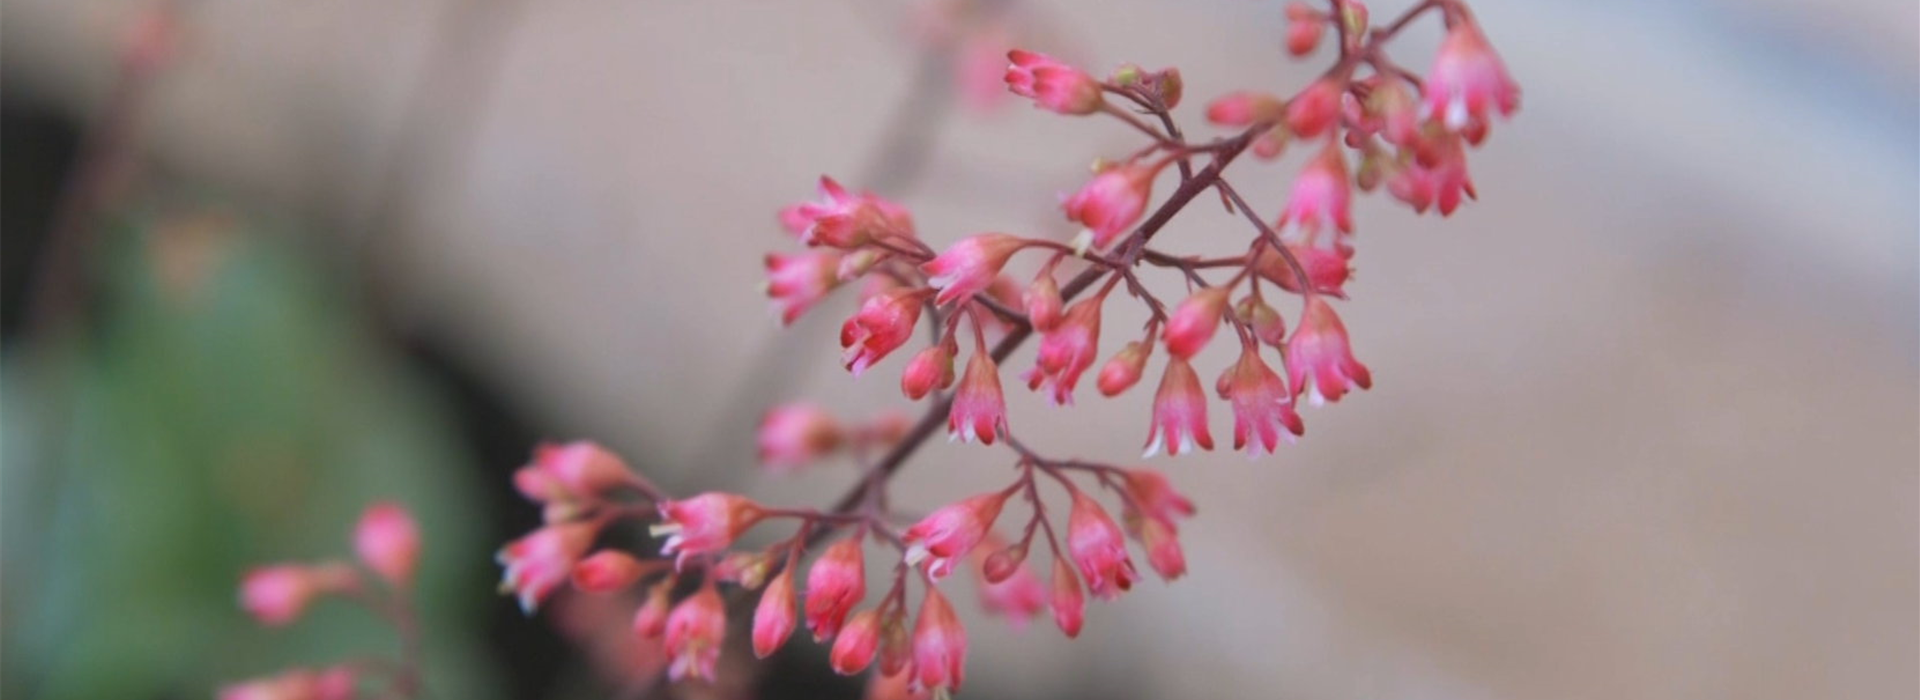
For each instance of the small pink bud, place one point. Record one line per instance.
(1042, 302)
(1179, 412)
(1098, 548)
(277, 595)
(939, 645)
(1321, 197)
(796, 282)
(979, 408)
(1112, 202)
(1067, 351)
(795, 434)
(1163, 549)
(705, 523)
(695, 630)
(650, 621)
(1123, 371)
(1051, 84)
(609, 571)
(538, 563)
(1155, 495)
(969, 266)
(1069, 604)
(952, 531)
(1266, 323)
(574, 471)
(773, 621)
(1245, 108)
(1326, 269)
(1195, 321)
(1315, 109)
(930, 370)
(388, 542)
(1320, 360)
(1304, 28)
(884, 322)
(836, 583)
(1016, 594)
(854, 648)
(1003, 562)
(1261, 404)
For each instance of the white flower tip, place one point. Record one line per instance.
(1082, 241)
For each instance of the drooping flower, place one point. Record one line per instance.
(1113, 201)
(969, 266)
(1195, 321)
(845, 220)
(884, 323)
(1320, 361)
(539, 562)
(1067, 351)
(1069, 604)
(277, 595)
(1124, 369)
(574, 471)
(930, 370)
(1321, 199)
(798, 281)
(1098, 548)
(695, 630)
(979, 408)
(773, 620)
(1437, 177)
(1316, 108)
(854, 647)
(1328, 270)
(951, 532)
(388, 542)
(939, 645)
(1163, 548)
(1266, 324)
(705, 523)
(609, 570)
(836, 583)
(1155, 495)
(1042, 302)
(795, 434)
(1051, 84)
(1179, 412)
(1007, 586)
(1261, 404)
(1468, 80)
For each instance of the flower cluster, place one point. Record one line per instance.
(1364, 122)
(387, 546)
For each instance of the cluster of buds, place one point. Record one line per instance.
(1363, 122)
(387, 547)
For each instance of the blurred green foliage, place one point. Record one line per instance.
(226, 407)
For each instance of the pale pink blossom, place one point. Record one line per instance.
(1113, 201)
(1179, 412)
(884, 322)
(836, 583)
(1098, 548)
(969, 266)
(705, 523)
(1320, 361)
(1261, 404)
(949, 533)
(939, 645)
(695, 630)
(1051, 84)
(773, 619)
(793, 435)
(979, 408)
(1067, 351)
(536, 564)
(798, 281)
(388, 542)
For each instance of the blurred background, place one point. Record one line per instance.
(1645, 422)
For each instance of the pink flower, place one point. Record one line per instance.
(845, 220)
(969, 266)
(609, 570)
(1179, 412)
(1098, 548)
(1042, 302)
(854, 648)
(1051, 84)
(1326, 269)
(1163, 548)
(1261, 404)
(979, 409)
(836, 583)
(773, 620)
(939, 645)
(796, 282)
(277, 595)
(570, 472)
(1321, 197)
(1316, 108)
(542, 560)
(795, 434)
(929, 370)
(650, 621)
(1468, 80)
(1113, 201)
(884, 323)
(388, 542)
(1069, 604)
(1245, 108)
(1124, 369)
(695, 629)
(1305, 26)
(336, 683)
(705, 523)
(1067, 351)
(1155, 495)
(952, 531)
(1195, 321)
(1007, 587)
(1320, 360)
(1438, 177)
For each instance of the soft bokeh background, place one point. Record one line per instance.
(1645, 423)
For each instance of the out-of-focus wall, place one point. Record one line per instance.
(1645, 421)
